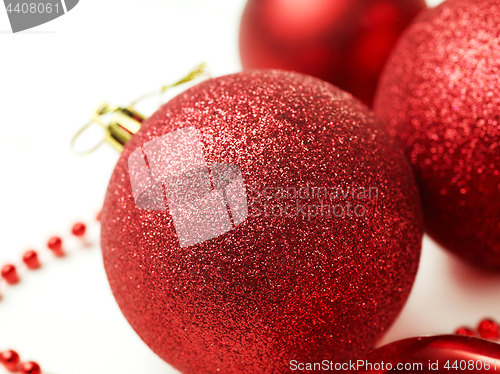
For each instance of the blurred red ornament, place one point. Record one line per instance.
(281, 284)
(440, 96)
(345, 42)
(435, 354)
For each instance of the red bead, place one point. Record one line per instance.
(55, 245)
(30, 368)
(464, 331)
(98, 216)
(9, 273)
(488, 329)
(30, 258)
(79, 229)
(10, 360)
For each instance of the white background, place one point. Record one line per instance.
(51, 78)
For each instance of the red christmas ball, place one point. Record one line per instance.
(259, 218)
(440, 96)
(434, 354)
(345, 42)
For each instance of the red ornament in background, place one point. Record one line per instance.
(440, 96)
(345, 42)
(469, 355)
(278, 286)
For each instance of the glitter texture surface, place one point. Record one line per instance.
(440, 95)
(276, 287)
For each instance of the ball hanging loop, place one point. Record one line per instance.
(121, 123)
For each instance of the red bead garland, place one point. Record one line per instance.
(487, 329)
(12, 362)
(10, 359)
(30, 258)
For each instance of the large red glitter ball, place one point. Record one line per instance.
(345, 42)
(434, 354)
(440, 95)
(314, 250)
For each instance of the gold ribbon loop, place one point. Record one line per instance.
(125, 122)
